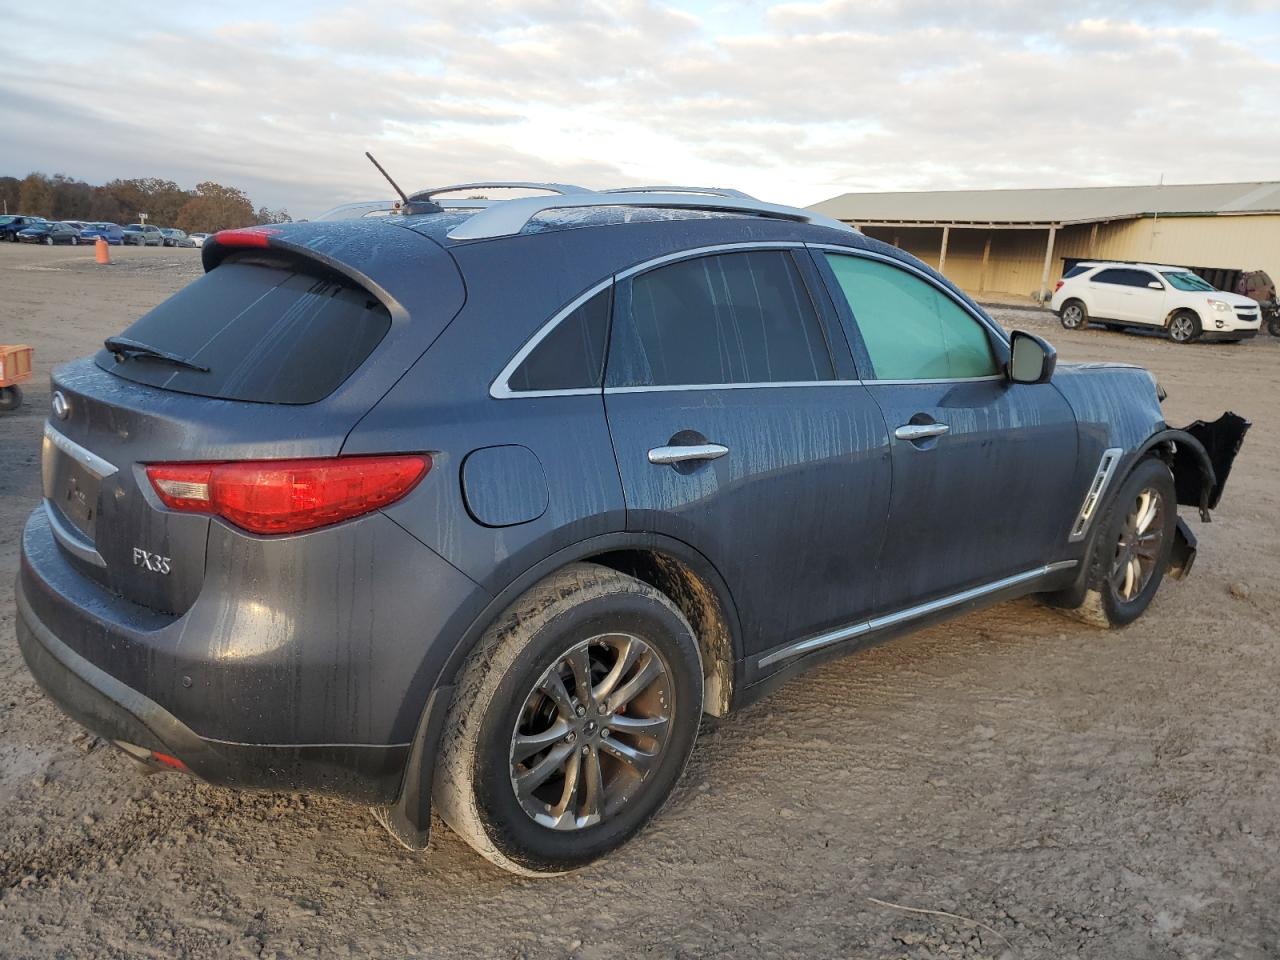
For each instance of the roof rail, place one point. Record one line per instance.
(708, 191)
(560, 188)
(509, 217)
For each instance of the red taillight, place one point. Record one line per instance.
(287, 496)
(1059, 286)
(245, 237)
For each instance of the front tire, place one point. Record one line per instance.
(1074, 315)
(572, 721)
(1184, 327)
(1134, 544)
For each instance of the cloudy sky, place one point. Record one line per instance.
(794, 102)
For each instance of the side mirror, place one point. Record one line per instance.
(1031, 359)
(1156, 285)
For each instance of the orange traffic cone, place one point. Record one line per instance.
(101, 251)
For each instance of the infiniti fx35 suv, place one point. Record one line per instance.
(483, 505)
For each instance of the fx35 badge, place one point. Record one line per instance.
(152, 561)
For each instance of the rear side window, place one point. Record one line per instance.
(1076, 271)
(267, 332)
(571, 356)
(1124, 277)
(911, 329)
(729, 318)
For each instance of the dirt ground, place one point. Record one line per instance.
(1071, 792)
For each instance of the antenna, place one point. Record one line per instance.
(395, 186)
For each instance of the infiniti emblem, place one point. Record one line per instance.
(61, 408)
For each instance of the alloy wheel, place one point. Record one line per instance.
(591, 731)
(1071, 316)
(1181, 328)
(1138, 549)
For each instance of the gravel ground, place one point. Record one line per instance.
(1063, 791)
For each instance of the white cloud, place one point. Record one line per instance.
(795, 102)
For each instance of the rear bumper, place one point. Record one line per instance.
(299, 667)
(102, 704)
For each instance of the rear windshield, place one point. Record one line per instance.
(267, 332)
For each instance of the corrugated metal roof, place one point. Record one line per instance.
(1065, 205)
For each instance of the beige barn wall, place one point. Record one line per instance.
(1017, 256)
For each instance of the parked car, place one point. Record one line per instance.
(483, 509)
(173, 237)
(49, 232)
(78, 224)
(1147, 295)
(10, 224)
(143, 234)
(111, 232)
(198, 239)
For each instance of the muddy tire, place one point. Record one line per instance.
(1131, 554)
(571, 723)
(1074, 315)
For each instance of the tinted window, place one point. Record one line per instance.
(1123, 276)
(571, 356)
(731, 318)
(912, 330)
(266, 332)
(1076, 271)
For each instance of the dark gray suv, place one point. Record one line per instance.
(484, 504)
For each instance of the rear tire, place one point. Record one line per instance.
(1074, 315)
(1184, 326)
(10, 398)
(521, 711)
(1132, 550)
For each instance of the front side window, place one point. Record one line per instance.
(911, 329)
(571, 356)
(742, 317)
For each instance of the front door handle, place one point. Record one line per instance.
(687, 452)
(920, 431)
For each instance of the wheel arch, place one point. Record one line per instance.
(1184, 308)
(679, 570)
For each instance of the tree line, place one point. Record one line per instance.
(208, 208)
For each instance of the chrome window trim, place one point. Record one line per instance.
(910, 268)
(765, 385)
(500, 388)
(894, 383)
(800, 647)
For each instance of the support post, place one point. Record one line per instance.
(986, 258)
(1093, 242)
(1048, 261)
(942, 257)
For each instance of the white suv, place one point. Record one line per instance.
(1145, 295)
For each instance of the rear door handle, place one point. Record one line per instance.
(920, 431)
(684, 453)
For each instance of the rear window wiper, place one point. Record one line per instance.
(124, 348)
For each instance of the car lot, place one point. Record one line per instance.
(1078, 792)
